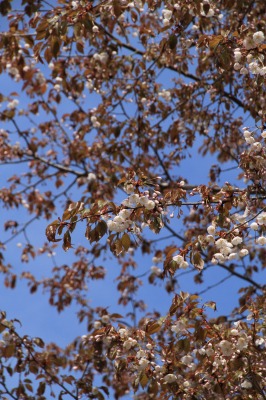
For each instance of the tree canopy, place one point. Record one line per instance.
(109, 111)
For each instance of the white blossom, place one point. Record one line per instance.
(261, 240)
(211, 230)
(249, 43)
(187, 359)
(167, 14)
(258, 37)
(91, 177)
(242, 343)
(243, 252)
(237, 66)
(129, 188)
(123, 333)
(226, 347)
(170, 378)
(236, 240)
(13, 104)
(95, 29)
(178, 259)
(129, 343)
(179, 327)
(237, 55)
(143, 363)
(261, 219)
(97, 324)
(74, 5)
(244, 71)
(246, 384)
(254, 226)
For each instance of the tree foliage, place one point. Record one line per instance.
(102, 105)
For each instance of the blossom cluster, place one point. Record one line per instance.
(122, 222)
(255, 63)
(180, 261)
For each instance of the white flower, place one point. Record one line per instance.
(178, 259)
(184, 265)
(165, 94)
(211, 230)
(226, 348)
(210, 239)
(232, 256)
(246, 133)
(250, 58)
(249, 43)
(91, 177)
(129, 188)
(242, 343)
(97, 324)
(143, 363)
(150, 205)
(167, 14)
(262, 218)
(209, 14)
(209, 351)
(12, 104)
(95, 123)
(234, 332)
(261, 240)
(170, 378)
(254, 226)
(124, 214)
(243, 252)
(129, 343)
(166, 22)
(262, 71)
(250, 140)
(74, 5)
(263, 134)
(260, 341)
(237, 240)
(178, 327)
(244, 71)
(222, 243)
(133, 199)
(246, 385)
(105, 319)
(219, 256)
(187, 360)
(95, 29)
(157, 271)
(258, 37)
(140, 354)
(237, 66)
(123, 332)
(254, 68)
(237, 55)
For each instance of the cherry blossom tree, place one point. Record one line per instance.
(102, 105)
